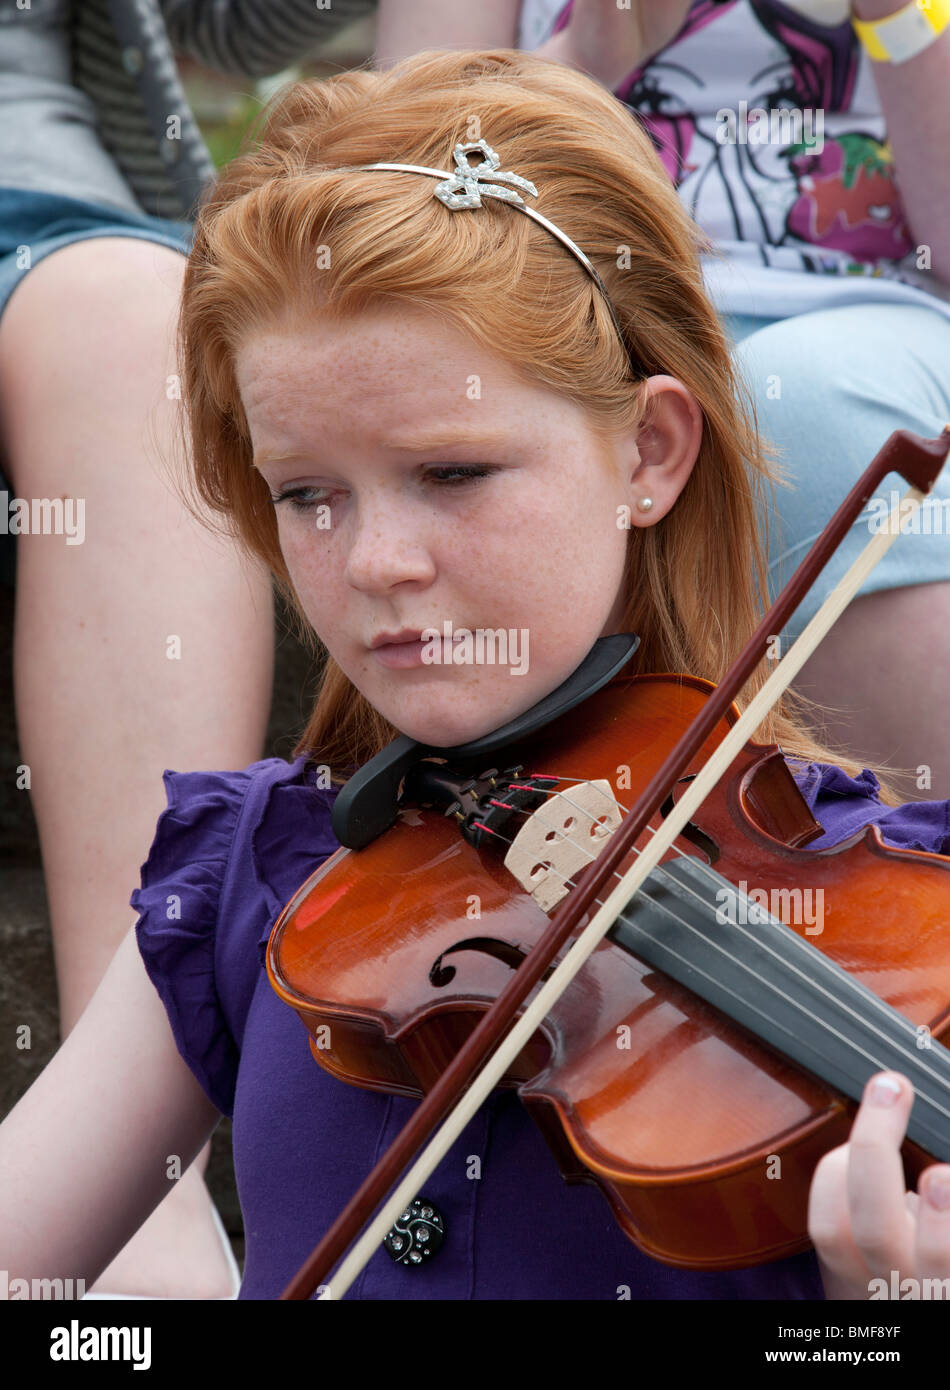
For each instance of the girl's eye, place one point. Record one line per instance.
(304, 499)
(461, 473)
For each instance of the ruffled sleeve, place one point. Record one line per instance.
(178, 911)
(844, 805)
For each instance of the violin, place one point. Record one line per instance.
(718, 1031)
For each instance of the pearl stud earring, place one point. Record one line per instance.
(645, 504)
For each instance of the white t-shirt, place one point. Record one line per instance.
(801, 199)
(49, 136)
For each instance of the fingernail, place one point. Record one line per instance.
(884, 1091)
(938, 1192)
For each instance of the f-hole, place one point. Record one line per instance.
(691, 832)
(441, 975)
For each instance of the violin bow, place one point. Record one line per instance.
(919, 461)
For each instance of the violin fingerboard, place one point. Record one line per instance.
(767, 978)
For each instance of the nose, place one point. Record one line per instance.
(388, 547)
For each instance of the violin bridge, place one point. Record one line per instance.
(560, 838)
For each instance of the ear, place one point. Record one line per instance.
(661, 459)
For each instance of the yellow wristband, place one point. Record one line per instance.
(905, 34)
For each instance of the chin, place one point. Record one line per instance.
(448, 726)
(444, 733)
(446, 717)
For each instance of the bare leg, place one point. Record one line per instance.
(86, 346)
(885, 664)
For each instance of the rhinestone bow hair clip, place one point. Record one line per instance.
(466, 186)
(467, 177)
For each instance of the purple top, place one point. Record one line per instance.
(234, 847)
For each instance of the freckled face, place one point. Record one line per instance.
(502, 514)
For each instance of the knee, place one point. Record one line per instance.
(789, 363)
(873, 358)
(89, 315)
(87, 307)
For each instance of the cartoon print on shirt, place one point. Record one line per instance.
(837, 193)
(848, 198)
(847, 192)
(662, 103)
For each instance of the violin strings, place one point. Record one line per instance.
(821, 961)
(816, 957)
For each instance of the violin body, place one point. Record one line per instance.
(703, 1138)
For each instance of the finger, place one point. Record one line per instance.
(829, 1227)
(880, 1224)
(933, 1227)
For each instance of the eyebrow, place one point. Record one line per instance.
(420, 443)
(444, 439)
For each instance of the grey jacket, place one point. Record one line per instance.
(123, 60)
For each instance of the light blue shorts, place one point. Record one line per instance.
(45, 222)
(848, 377)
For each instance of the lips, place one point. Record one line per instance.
(385, 639)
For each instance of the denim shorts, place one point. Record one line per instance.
(40, 223)
(830, 387)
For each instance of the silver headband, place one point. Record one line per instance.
(464, 189)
